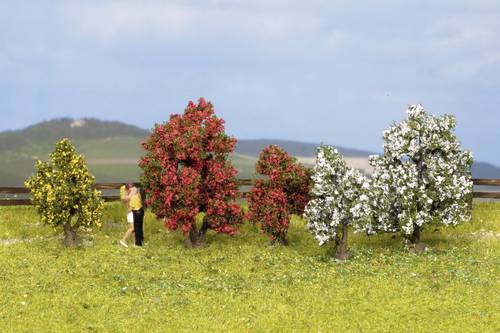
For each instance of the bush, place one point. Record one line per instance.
(186, 170)
(339, 198)
(423, 177)
(284, 192)
(62, 193)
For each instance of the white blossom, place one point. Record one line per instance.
(423, 177)
(339, 194)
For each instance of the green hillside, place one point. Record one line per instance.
(53, 130)
(112, 150)
(110, 160)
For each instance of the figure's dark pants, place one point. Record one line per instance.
(138, 222)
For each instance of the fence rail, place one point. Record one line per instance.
(241, 182)
(486, 182)
(489, 182)
(99, 186)
(13, 190)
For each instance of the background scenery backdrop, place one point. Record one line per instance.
(112, 150)
(314, 71)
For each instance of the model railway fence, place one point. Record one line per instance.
(18, 196)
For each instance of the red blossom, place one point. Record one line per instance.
(186, 170)
(285, 191)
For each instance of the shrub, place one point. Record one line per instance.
(284, 192)
(423, 177)
(338, 199)
(62, 193)
(186, 170)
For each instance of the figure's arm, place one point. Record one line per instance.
(131, 192)
(123, 194)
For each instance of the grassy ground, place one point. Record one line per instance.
(240, 284)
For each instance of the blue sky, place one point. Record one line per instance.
(319, 70)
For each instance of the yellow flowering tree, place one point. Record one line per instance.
(63, 194)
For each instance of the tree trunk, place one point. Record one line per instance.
(341, 243)
(280, 239)
(395, 211)
(203, 231)
(196, 238)
(71, 239)
(415, 236)
(415, 244)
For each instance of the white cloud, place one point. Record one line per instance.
(335, 40)
(466, 37)
(6, 63)
(109, 21)
(465, 69)
(468, 45)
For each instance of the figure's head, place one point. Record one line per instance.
(128, 186)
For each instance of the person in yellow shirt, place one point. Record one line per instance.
(131, 196)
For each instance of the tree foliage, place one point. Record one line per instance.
(62, 192)
(423, 177)
(187, 170)
(339, 198)
(283, 192)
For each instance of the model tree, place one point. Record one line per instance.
(283, 192)
(423, 177)
(62, 192)
(338, 200)
(187, 170)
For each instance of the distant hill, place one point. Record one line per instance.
(112, 150)
(485, 170)
(79, 129)
(356, 158)
(254, 147)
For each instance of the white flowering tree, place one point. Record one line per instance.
(423, 177)
(338, 199)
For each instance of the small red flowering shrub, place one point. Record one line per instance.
(186, 170)
(285, 191)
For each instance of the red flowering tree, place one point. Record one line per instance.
(284, 191)
(186, 170)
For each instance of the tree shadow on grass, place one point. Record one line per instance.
(441, 240)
